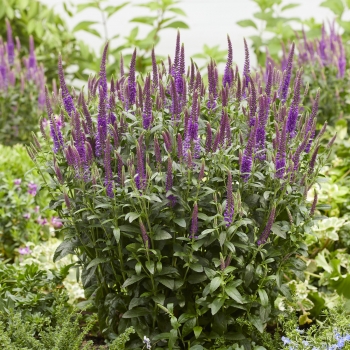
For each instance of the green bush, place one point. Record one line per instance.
(170, 194)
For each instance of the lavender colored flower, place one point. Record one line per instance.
(132, 81)
(32, 58)
(26, 216)
(10, 44)
(246, 69)
(265, 234)
(314, 203)
(247, 159)
(227, 79)
(67, 98)
(147, 109)
(179, 147)
(147, 342)
(288, 74)
(294, 108)
(144, 235)
(141, 171)
(208, 140)
(24, 251)
(101, 123)
(280, 163)
(102, 74)
(17, 182)
(56, 222)
(32, 188)
(311, 121)
(313, 160)
(229, 211)
(155, 70)
(42, 221)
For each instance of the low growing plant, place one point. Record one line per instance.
(185, 204)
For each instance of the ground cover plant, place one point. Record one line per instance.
(22, 95)
(185, 204)
(23, 210)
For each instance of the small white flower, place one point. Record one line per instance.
(147, 341)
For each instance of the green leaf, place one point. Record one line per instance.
(257, 323)
(289, 6)
(97, 261)
(177, 10)
(234, 294)
(144, 20)
(138, 268)
(249, 274)
(133, 279)
(132, 216)
(176, 25)
(336, 6)
(215, 284)
(82, 7)
(188, 326)
(247, 23)
(136, 312)
(22, 4)
(216, 305)
(180, 222)
(161, 235)
(65, 248)
(111, 10)
(169, 283)
(264, 299)
(129, 228)
(197, 331)
(84, 25)
(150, 266)
(116, 233)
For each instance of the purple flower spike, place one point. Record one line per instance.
(227, 79)
(287, 75)
(174, 68)
(102, 74)
(155, 70)
(24, 251)
(194, 222)
(208, 141)
(229, 211)
(246, 69)
(147, 108)
(281, 154)
(310, 121)
(252, 104)
(132, 81)
(145, 237)
(265, 234)
(101, 123)
(294, 108)
(247, 159)
(314, 203)
(313, 160)
(169, 176)
(67, 98)
(10, 44)
(179, 147)
(32, 58)
(140, 179)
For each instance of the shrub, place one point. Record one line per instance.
(22, 95)
(170, 192)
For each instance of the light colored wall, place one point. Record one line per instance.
(209, 21)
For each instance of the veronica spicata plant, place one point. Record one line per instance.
(185, 204)
(22, 91)
(324, 63)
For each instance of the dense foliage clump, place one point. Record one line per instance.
(185, 204)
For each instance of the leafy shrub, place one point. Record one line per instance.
(23, 217)
(22, 95)
(170, 194)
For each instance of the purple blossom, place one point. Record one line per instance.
(24, 251)
(227, 79)
(132, 81)
(10, 44)
(67, 98)
(229, 211)
(208, 141)
(32, 58)
(56, 222)
(179, 147)
(294, 108)
(246, 69)
(155, 70)
(157, 153)
(144, 235)
(147, 109)
(101, 123)
(265, 234)
(102, 74)
(310, 121)
(314, 203)
(247, 159)
(17, 182)
(287, 75)
(42, 221)
(32, 188)
(26, 216)
(140, 179)
(280, 163)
